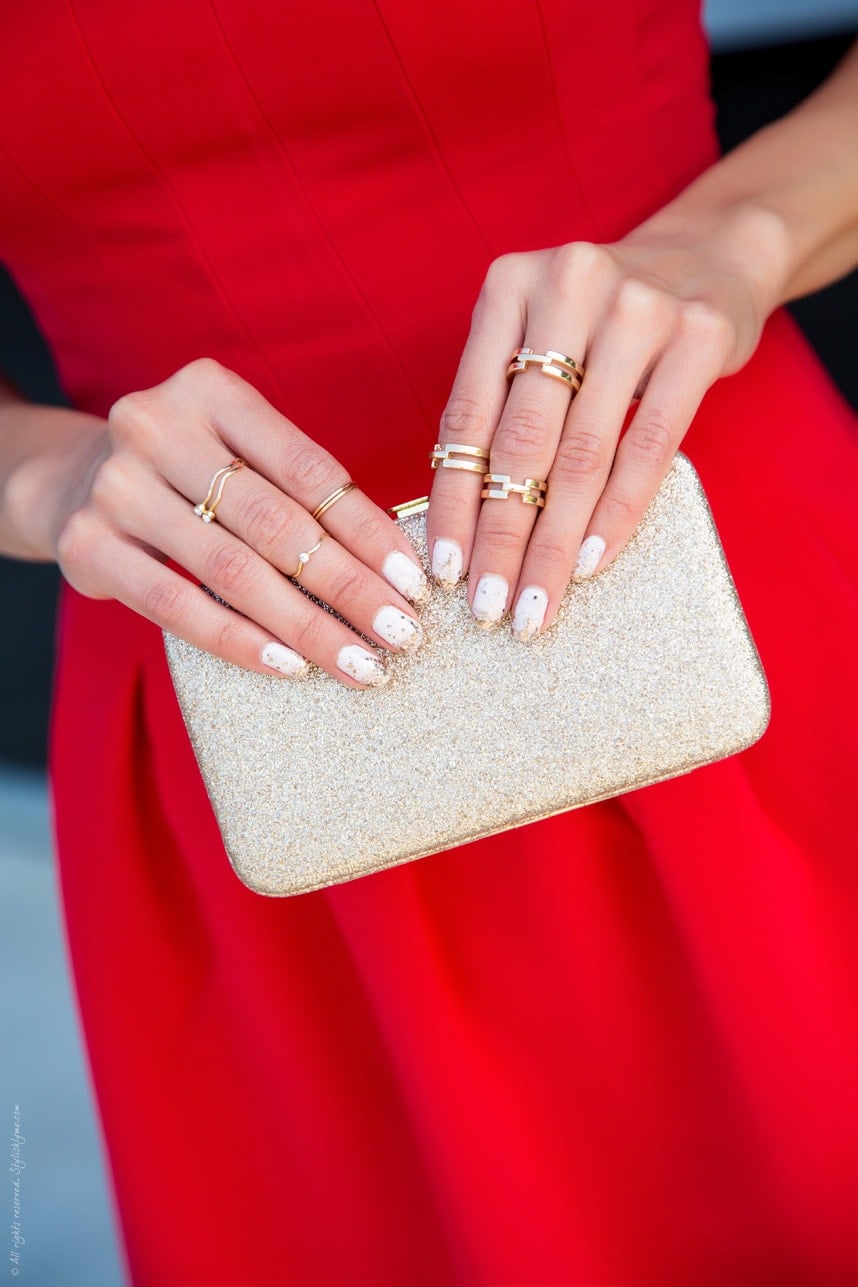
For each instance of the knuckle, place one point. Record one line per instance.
(308, 470)
(638, 302)
(503, 541)
(346, 585)
(463, 419)
(268, 523)
(622, 512)
(229, 639)
(550, 551)
(306, 632)
(164, 602)
(135, 415)
(77, 540)
(650, 439)
(705, 324)
(111, 485)
(369, 530)
(503, 271)
(581, 456)
(525, 432)
(229, 568)
(578, 260)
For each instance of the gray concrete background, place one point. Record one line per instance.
(65, 1211)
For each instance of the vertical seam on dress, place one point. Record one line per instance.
(423, 117)
(642, 85)
(186, 221)
(555, 100)
(316, 216)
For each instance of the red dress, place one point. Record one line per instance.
(615, 1049)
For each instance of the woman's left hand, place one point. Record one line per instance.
(650, 320)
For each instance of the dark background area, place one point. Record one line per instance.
(751, 88)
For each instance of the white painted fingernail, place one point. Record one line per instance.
(529, 613)
(362, 666)
(490, 599)
(405, 576)
(397, 628)
(589, 555)
(447, 561)
(285, 660)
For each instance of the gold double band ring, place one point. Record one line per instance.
(206, 508)
(458, 455)
(332, 499)
(501, 487)
(556, 365)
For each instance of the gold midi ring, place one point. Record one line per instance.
(305, 556)
(206, 508)
(557, 365)
(500, 487)
(332, 499)
(448, 457)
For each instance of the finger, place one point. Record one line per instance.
(578, 474)
(233, 415)
(283, 534)
(470, 418)
(645, 453)
(248, 583)
(131, 574)
(523, 450)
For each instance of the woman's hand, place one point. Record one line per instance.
(648, 321)
(658, 316)
(128, 505)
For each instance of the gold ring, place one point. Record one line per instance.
(448, 457)
(557, 365)
(304, 558)
(332, 499)
(206, 508)
(500, 487)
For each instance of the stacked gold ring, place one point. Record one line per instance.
(332, 499)
(450, 457)
(500, 487)
(556, 365)
(206, 508)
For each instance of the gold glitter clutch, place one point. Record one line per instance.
(649, 672)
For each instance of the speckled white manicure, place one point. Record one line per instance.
(529, 613)
(397, 628)
(588, 556)
(405, 576)
(490, 599)
(285, 660)
(362, 666)
(447, 561)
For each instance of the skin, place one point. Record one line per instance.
(657, 316)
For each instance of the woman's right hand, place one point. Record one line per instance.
(130, 508)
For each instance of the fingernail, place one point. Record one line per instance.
(447, 561)
(529, 613)
(588, 556)
(288, 662)
(405, 576)
(397, 628)
(362, 666)
(490, 599)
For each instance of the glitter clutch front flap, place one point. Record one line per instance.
(649, 672)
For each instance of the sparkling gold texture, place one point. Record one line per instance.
(649, 672)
